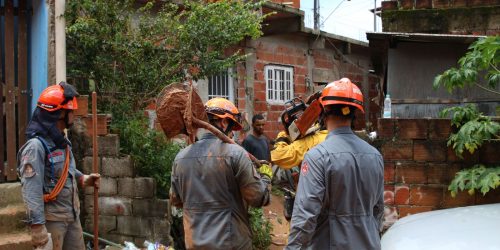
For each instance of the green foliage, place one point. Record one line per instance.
(261, 229)
(126, 49)
(483, 57)
(153, 154)
(276, 190)
(130, 51)
(482, 60)
(473, 128)
(461, 115)
(479, 178)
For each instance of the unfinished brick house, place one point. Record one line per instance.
(289, 61)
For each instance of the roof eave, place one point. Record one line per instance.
(422, 37)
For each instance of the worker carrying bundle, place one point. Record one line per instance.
(213, 179)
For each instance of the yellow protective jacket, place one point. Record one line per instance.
(290, 155)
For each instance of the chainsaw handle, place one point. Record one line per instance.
(313, 97)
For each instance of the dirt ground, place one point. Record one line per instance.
(274, 212)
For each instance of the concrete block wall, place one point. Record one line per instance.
(128, 207)
(419, 167)
(14, 234)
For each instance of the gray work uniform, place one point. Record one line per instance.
(38, 177)
(339, 202)
(214, 182)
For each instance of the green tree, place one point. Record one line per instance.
(480, 64)
(128, 52)
(129, 49)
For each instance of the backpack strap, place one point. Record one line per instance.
(48, 153)
(64, 176)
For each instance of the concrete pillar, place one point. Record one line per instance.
(51, 60)
(60, 40)
(366, 95)
(249, 79)
(310, 67)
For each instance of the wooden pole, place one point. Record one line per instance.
(203, 124)
(95, 170)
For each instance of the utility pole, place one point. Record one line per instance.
(316, 15)
(375, 16)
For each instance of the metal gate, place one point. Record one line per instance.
(14, 84)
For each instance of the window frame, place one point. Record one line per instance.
(218, 83)
(279, 84)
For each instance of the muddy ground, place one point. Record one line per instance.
(274, 212)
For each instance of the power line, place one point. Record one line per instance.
(332, 12)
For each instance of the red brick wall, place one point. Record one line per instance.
(274, 52)
(279, 54)
(419, 167)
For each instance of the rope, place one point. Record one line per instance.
(60, 183)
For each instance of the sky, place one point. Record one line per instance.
(342, 17)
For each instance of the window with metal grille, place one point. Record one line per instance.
(279, 84)
(221, 85)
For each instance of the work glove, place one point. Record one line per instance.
(39, 235)
(266, 171)
(90, 180)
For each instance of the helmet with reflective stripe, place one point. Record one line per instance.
(223, 108)
(342, 91)
(55, 97)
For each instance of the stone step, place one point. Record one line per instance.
(15, 241)
(10, 193)
(12, 218)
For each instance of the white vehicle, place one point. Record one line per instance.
(471, 228)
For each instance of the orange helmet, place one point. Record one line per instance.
(342, 91)
(53, 98)
(223, 108)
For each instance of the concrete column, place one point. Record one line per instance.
(51, 60)
(60, 40)
(309, 79)
(249, 79)
(366, 101)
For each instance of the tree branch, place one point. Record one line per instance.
(487, 89)
(493, 66)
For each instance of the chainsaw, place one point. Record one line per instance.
(303, 125)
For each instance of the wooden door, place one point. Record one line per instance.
(14, 85)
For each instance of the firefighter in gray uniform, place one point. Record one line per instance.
(339, 202)
(48, 173)
(214, 182)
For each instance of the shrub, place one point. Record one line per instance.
(261, 228)
(153, 154)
